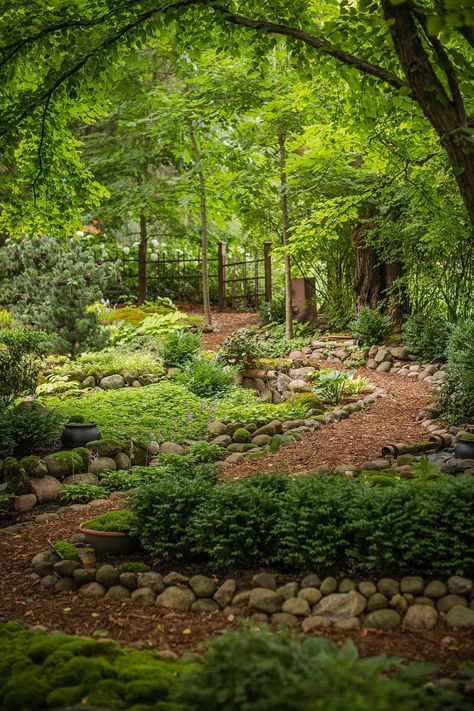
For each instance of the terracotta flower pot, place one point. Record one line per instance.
(111, 542)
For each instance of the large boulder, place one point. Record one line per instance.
(202, 586)
(112, 382)
(265, 600)
(34, 466)
(102, 464)
(84, 478)
(104, 447)
(176, 598)
(420, 617)
(15, 477)
(460, 617)
(46, 489)
(338, 606)
(383, 619)
(171, 448)
(63, 464)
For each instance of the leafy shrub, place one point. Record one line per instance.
(127, 480)
(427, 336)
(272, 311)
(82, 493)
(118, 520)
(243, 405)
(325, 522)
(241, 348)
(28, 428)
(204, 452)
(43, 295)
(112, 360)
(259, 670)
(165, 411)
(207, 378)
(456, 400)
(19, 348)
(371, 327)
(178, 347)
(330, 385)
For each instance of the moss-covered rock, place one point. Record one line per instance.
(104, 447)
(242, 436)
(63, 464)
(15, 476)
(34, 466)
(84, 454)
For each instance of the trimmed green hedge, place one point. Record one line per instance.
(166, 410)
(251, 670)
(322, 522)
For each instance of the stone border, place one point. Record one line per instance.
(308, 603)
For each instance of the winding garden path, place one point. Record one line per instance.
(355, 440)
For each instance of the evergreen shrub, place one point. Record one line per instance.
(323, 522)
(371, 327)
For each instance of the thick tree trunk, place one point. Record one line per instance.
(446, 114)
(285, 228)
(142, 275)
(206, 302)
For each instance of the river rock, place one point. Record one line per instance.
(153, 581)
(420, 617)
(413, 584)
(264, 580)
(383, 619)
(171, 448)
(388, 587)
(459, 586)
(311, 595)
(102, 464)
(284, 619)
(315, 622)
(340, 605)
(367, 588)
(224, 594)
(92, 590)
(105, 447)
(296, 606)
(202, 586)
(112, 382)
(24, 502)
(435, 589)
(107, 576)
(328, 586)
(310, 581)
(265, 600)
(377, 601)
(460, 617)
(43, 562)
(288, 590)
(445, 603)
(144, 596)
(176, 598)
(84, 575)
(66, 568)
(118, 591)
(205, 604)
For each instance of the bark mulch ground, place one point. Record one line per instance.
(355, 440)
(225, 324)
(130, 624)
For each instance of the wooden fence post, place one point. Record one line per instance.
(221, 268)
(267, 265)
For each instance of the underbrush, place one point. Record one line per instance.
(166, 411)
(320, 521)
(249, 670)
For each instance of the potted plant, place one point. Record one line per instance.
(465, 446)
(77, 433)
(110, 532)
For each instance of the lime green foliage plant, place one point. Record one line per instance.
(371, 327)
(112, 360)
(153, 327)
(166, 411)
(417, 525)
(241, 405)
(427, 336)
(330, 385)
(66, 550)
(81, 493)
(278, 670)
(119, 520)
(178, 347)
(456, 400)
(207, 378)
(39, 671)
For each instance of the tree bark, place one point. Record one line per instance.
(142, 266)
(206, 302)
(285, 228)
(445, 114)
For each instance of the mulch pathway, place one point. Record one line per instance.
(356, 439)
(129, 624)
(225, 324)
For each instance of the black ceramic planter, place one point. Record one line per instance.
(79, 434)
(465, 449)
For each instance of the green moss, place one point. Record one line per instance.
(468, 437)
(65, 549)
(242, 436)
(65, 696)
(133, 567)
(84, 454)
(71, 456)
(75, 419)
(119, 520)
(26, 691)
(33, 465)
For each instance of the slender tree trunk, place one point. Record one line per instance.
(285, 228)
(142, 275)
(206, 302)
(446, 114)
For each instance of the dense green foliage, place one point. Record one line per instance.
(207, 378)
(371, 327)
(109, 361)
(43, 295)
(325, 522)
(258, 670)
(82, 493)
(250, 670)
(272, 312)
(163, 411)
(456, 401)
(241, 405)
(19, 349)
(427, 336)
(27, 428)
(242, 348)
(177, 347)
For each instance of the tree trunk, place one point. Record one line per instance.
(445, 114)
(142, 275)
(367, 278)
(206, 302)
(285, 227)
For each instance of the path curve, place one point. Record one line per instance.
(355, 440)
